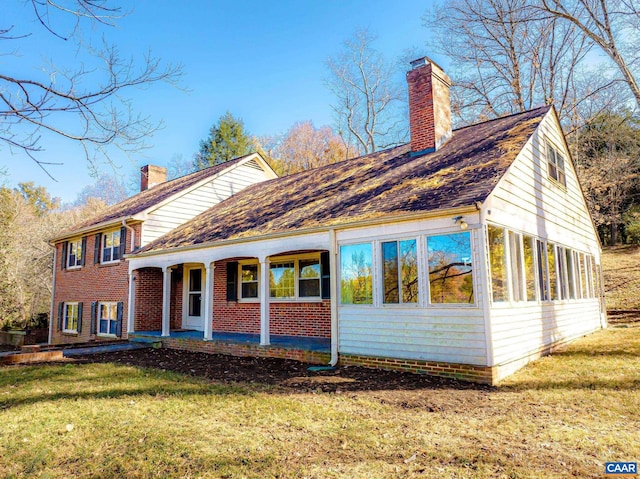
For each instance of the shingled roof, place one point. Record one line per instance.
(148, 198)
(382, 184)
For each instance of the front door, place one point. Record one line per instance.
(193, 308)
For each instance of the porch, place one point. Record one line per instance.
(306, 349)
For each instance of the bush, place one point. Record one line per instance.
(631, 221)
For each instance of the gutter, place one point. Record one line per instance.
(315, 229)
(133, 234)
(333, 271)
(96, 227)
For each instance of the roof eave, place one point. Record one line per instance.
(139, 217)
(316, 229)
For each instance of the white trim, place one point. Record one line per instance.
(264, 302)
(333, 274)
(64, 317)
(166, 301)
(77, 265)
(186, 292)
(103, 240)
(209, 271)
(247, 262)
(131, 304)
(98, 317)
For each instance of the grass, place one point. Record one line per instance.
(565, 415)
(621, 269)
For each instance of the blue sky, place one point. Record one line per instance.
(262, 61)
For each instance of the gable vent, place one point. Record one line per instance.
(253, 164)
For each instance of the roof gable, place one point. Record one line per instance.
(382, 184)
(158, 195)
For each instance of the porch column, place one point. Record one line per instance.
(132, 304)
(264, 303)
(208, 301)
(166, 300)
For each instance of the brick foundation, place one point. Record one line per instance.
(245, 350)
(464, 372)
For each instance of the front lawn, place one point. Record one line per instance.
(565, 415)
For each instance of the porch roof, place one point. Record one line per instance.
(391, 182)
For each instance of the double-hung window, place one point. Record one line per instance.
(556, 165)
(75, 253)
(70, 320)
(107, 319)
(111, 246)
(249, 281)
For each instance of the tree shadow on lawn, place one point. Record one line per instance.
(27, 390)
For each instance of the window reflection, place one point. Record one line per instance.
(450, 268)
(355, 274)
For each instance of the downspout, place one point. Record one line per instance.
(53, 292)
(133, 234)
(333, 256)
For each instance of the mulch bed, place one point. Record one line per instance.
(284, 373)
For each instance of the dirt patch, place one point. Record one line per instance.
(282, 373)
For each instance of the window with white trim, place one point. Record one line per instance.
(556, 165)
(294, 278)
(107, 318)
(450, 268)
(356, 274)
(70, 320)
(249, 285)
(110, 246)
(75, 252)
(400, 272)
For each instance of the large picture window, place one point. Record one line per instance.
(111, 246)
(356, 284)
(497, 262)
(450, 268)
(400, 272)
(107, 319)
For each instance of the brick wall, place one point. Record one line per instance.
(148, 299)
(289, 319)
(92, 282)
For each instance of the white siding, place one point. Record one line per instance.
(182, 209)
(454, 334)
(526, 200)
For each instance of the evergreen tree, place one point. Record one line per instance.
(227, 140)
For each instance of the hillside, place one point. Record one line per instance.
(621, 269)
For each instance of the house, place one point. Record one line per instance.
(90, 274)
(464, 253)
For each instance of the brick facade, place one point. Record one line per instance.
(87, 284)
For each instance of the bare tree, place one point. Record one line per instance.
(613, 25)
(367, 99)
(304, 147)
(85, 104)
(507, 58)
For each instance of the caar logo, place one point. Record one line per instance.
(621, 468)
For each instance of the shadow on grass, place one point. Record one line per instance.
(173, 385)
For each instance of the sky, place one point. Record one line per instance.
(265, 62)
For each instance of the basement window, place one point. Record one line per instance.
(556, 165)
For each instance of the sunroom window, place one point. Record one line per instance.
(356, 282)
(450, 268)
(498, 264)
(400, 272)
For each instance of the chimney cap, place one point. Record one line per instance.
(422, 61)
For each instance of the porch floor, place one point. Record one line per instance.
(287, 342)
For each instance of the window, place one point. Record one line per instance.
(400, 272)
(498, 264)
(583, 275)
(356, 274)
(111, 246)
(553, 277)
(555, 163)
(529, 267)
(517, 272)
(282, 280)
(107, 319)
(75, 253)
(249, 281)
(450, 268)
(295, 278)
(71, 316)
(541, 255)
(195, 292)
(309, 278)
(571, 273)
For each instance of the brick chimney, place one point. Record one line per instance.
(151, 175)
(429, 106)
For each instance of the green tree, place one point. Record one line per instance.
(227, 140)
